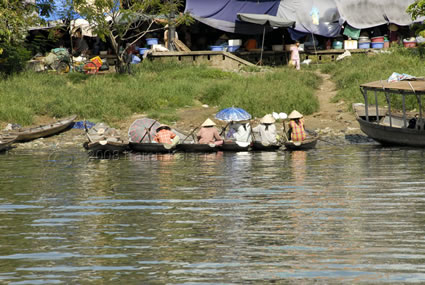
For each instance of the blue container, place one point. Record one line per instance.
(233, 48)
(152, 41)
(377, 45)
(142, 50)
(216, 48)
(364, 45)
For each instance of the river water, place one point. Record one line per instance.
(352, 214)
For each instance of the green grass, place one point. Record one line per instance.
(153, 88)
(349, 73)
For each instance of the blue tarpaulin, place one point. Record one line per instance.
(320, 17)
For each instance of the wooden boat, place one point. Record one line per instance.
(151, 147)
(259, 146)
(387, 126)
(196, 147)
(28, 134)
(105, 148)
(6, 142)
(234, 146)
(306, 144)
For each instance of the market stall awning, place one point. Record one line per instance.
(265, 20)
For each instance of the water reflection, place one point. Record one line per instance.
(329, 215)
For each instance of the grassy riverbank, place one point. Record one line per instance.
(349, 73)
(152, 89)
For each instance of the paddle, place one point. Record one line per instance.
(87, 131)
(321, 139)
(148, 131)
(189, 134)
(224, 129)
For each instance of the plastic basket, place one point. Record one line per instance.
(97, 61)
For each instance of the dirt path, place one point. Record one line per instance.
(331, 115)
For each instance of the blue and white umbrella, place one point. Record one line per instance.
(233, 114)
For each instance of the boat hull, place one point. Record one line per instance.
(233, 147)
(387, 135)
(28, 134)
(305, 145)
(149, 148)
(258, 146)
(188, 147)
(108, 149)
(6, 142)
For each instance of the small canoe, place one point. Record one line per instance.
(151, 147)
(306, 144)
(6, 142)
(196, 147)
(234, 146)
(259, 146)
(105, 148)
(28, 134)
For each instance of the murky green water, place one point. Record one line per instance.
(354, 214)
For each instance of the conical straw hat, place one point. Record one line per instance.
(208, 123)
(267, 119)
(393, 28)
(295, 115)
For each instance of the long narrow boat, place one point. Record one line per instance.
(6, 142)
(259, 146)
(151, 147)
(196, 147)
(388, 126)
(28, 134)
(233, 146)
(105, 148)
(306, 144)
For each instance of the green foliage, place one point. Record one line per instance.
(349, 73)
(417, 10)
(156, 89)
(15, 17)
(13, 59)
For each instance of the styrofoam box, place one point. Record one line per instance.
(235, 42)
(352, 44)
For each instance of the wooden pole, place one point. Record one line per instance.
(387, 96)
(377, 109)
(366, 104)
(404, 109)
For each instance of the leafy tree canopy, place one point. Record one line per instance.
(417, 10)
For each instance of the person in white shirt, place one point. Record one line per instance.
(240, 132)
(267, 130)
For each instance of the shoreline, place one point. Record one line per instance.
(74, 138)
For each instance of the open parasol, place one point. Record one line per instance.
(137, 131)
(233, 114)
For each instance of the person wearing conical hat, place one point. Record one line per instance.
(208, 133)
(296, 131)
(164, 135)
(267, 130)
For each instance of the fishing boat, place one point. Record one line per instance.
(306, 144)
(389, 126)
(104, 141)
(235, 146)
(259, 146)
(152, 147)
(196, 147)
(28, 134)
(105, 148)
(6, 142)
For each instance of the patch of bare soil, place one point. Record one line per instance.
(334, 116)
(192, 117)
